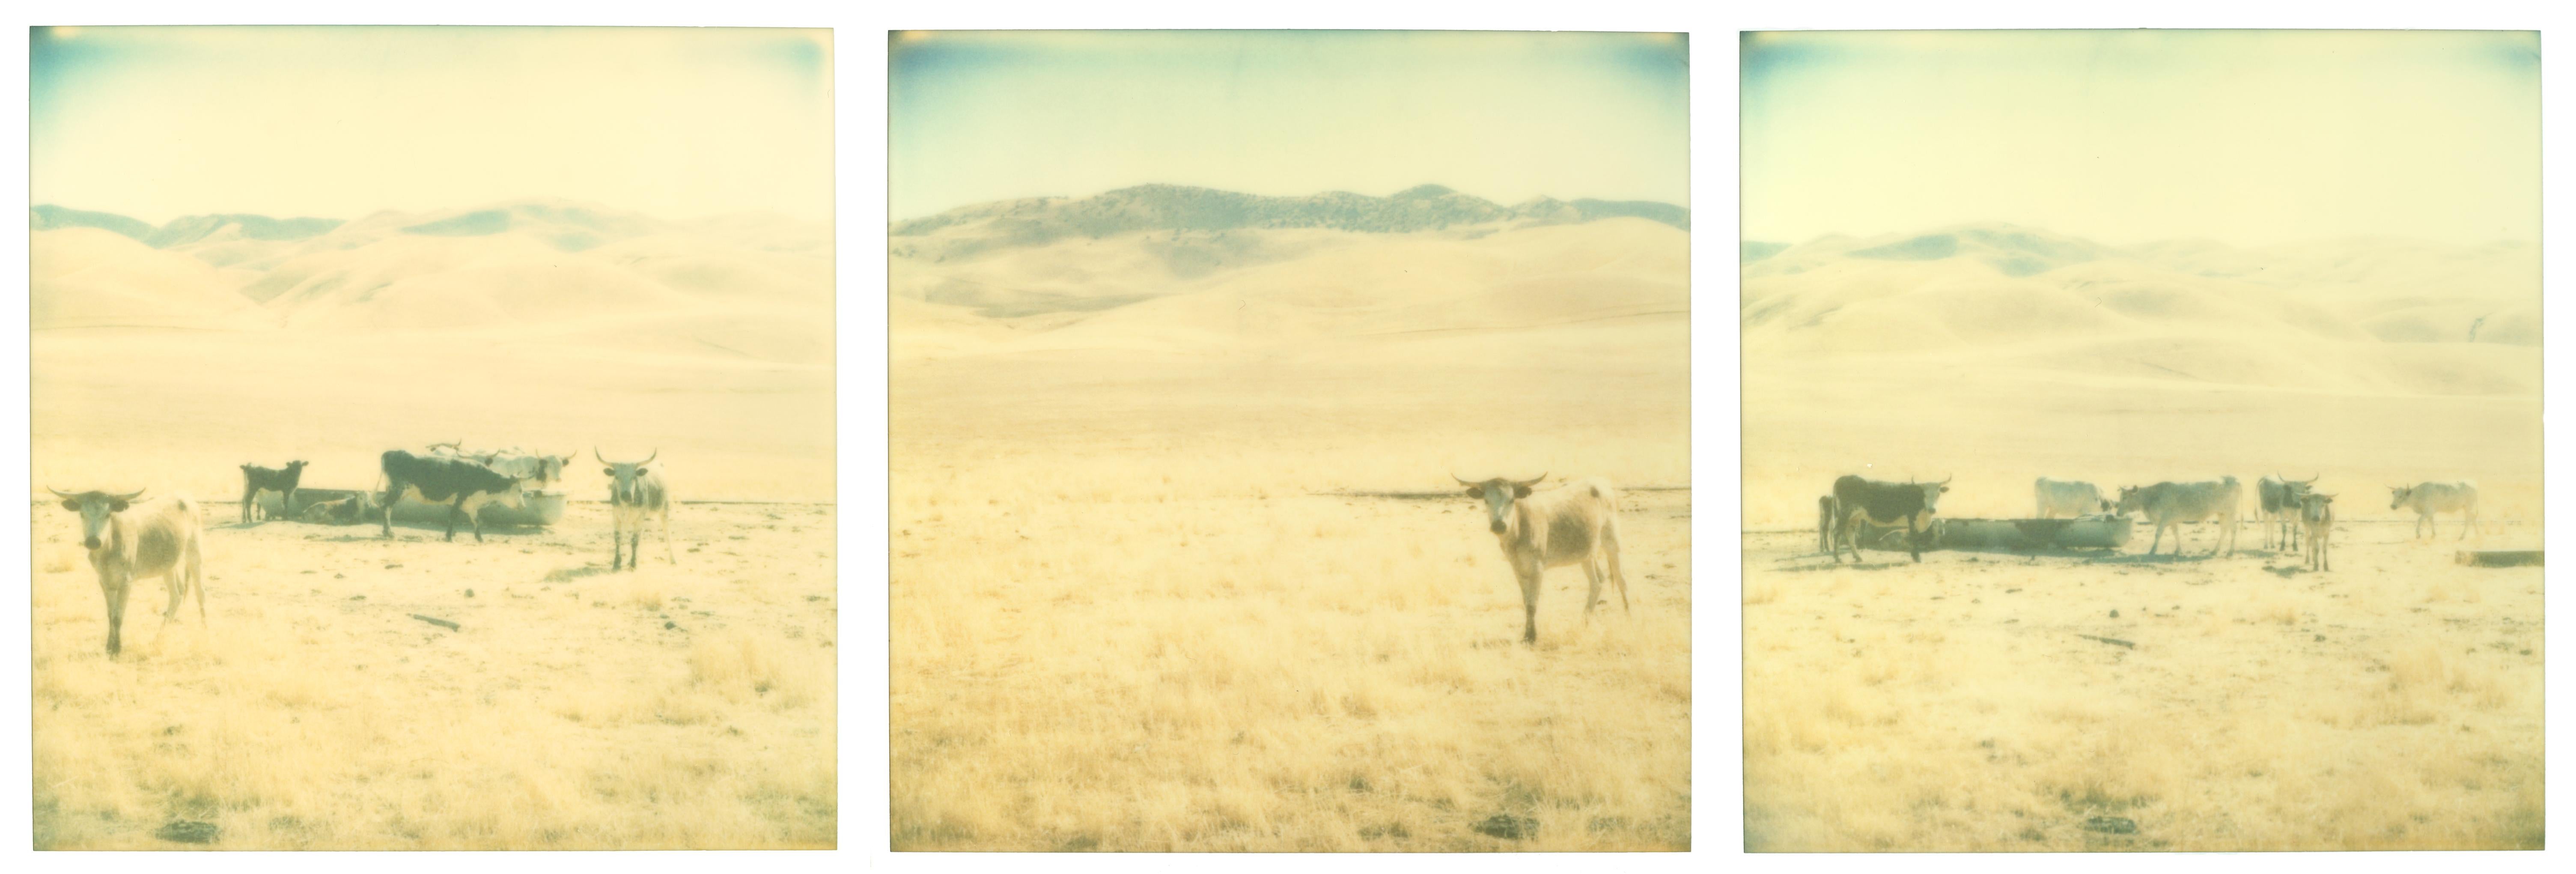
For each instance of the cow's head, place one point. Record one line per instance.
(2132, 499)
(2313, 505)
(94, 508)
(1498, 495)
(2397, 496)
(295, 468)
(622, 476)
(1932, 493)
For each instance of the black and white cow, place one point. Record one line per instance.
(464, 485)
(1888, 505)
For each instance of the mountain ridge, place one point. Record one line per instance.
(1166, 207)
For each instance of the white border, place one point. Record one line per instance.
(859, 64)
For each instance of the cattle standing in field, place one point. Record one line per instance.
(126, 540)
(2170, 504)
(257, 479)
(463, 485)
(1825, 513)
(2280, 501)
(1907, 505)
(2316, 514)
(1577, 523)
(634, 492)
(2068, 497)
(2427, 499)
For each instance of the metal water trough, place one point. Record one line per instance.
(544, 507)
(2089, 532)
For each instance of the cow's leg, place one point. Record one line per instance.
(1610, 556)
(194, 562)
(286, 502)
(1529, 578)
(115, 589)
(2159, 541)
(2468, 520)
(393, 495)
(1591, 572)
(454, 509)
(249, 493)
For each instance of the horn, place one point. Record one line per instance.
(129, 496)
(1461, 481)
(60, 492)
(1531, 481)
(1946, 480)
(657, 451)
(2314, 478)
(594, 453)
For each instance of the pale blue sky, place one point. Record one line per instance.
(158, 122)
(2127, 136)
(986, 115)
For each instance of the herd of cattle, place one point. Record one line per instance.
(128, 537)
(2295, 515)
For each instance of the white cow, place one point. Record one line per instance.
(126, 540)
(635, 491)
(2429, 498)
(2279, 503)
(2316, 514)
(2067, 497)
(2169, 504)
(1577, 523)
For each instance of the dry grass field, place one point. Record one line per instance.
(1124, 618)
(2392, 702)
(675, 707)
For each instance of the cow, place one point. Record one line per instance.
(1826, 510)
(2427, 499)
(634, 492)
(350, 510)
(2068, 497)
(257, 479)
(465, 486)
(1907, 505)
(535, 471)
(2169, 504)
(158, 538)
(1576, 523)
(2316, 514)
(2279, 507)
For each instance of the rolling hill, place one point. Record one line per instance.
(551, 266)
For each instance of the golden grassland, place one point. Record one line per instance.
(2393, 702)
(687, 706)
(1123, 619)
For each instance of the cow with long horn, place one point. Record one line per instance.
(1577, 523)
(129, 538)
(635, 491)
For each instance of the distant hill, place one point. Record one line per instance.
(2354, 315)
(751, 287)
(1756, 250)
(1038, 221)
(179, 231)
(49, 217)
